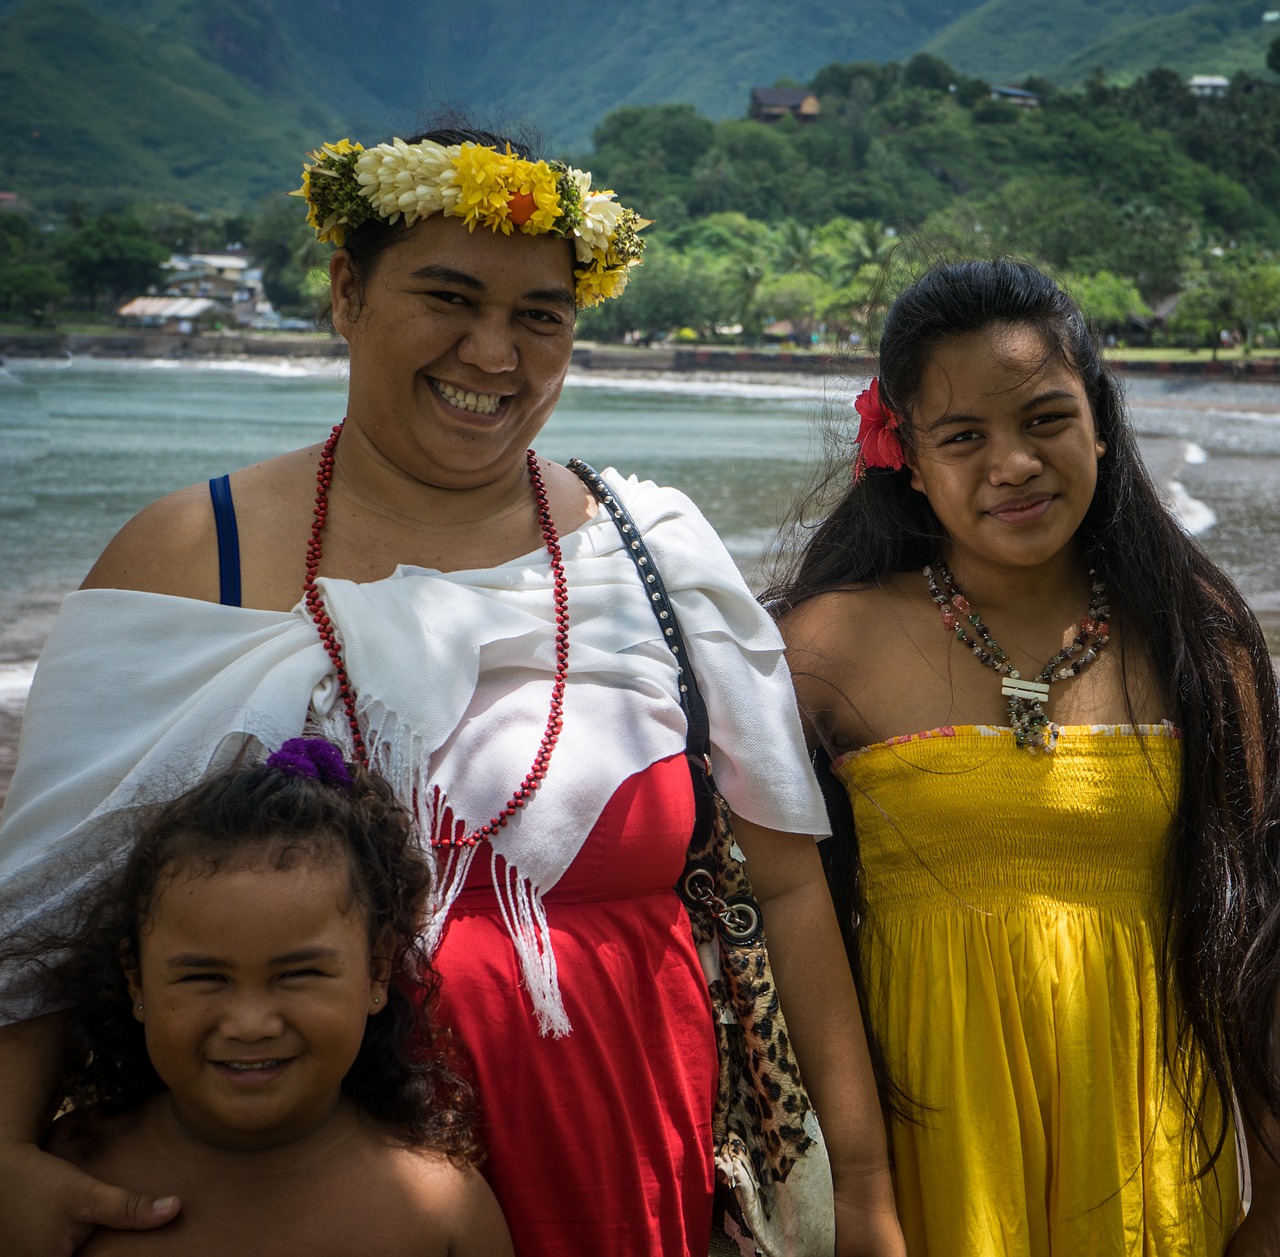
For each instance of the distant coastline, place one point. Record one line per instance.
(587, 355)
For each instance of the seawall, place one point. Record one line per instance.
(587, 356)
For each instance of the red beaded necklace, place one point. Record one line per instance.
(329, 638)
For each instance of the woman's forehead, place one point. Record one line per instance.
(1001, 358)
(489, 258)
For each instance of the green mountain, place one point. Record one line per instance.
(97, 112)
(214, 102)
(1006, 40)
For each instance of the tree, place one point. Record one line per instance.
(1111, 301)
(795, 298)
(670, 290)
(28, 288)
(794, 247)
(649, 153)
(286, 249)
(843, 246)
(1256, 295)
(111, 255)
(1201, 311)
(929, 72)
(1273, 55)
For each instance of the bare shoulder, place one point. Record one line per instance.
(439, 1198)
(171, 546)
(168, 547)
(846, 650)
(824, 624)
(572, 503)
(836, 649)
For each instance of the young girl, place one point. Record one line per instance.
(1055, 721)
(246, 1029)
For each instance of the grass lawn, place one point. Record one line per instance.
(1170, 353)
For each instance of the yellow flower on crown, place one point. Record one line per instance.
(501, 191)
(346, 186)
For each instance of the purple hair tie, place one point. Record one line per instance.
(312, 757)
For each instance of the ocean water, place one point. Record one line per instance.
(85, 443)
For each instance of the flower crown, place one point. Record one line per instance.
(878, 441)
(346, 185)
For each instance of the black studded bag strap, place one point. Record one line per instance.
(695, 709)
(763, 1129)
(706, 797)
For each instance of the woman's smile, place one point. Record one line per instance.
(459, 346)
(476, 403)
(1024, 510)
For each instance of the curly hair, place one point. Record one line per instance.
(403, 1075)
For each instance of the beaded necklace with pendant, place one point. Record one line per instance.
(1032, 729)
(333, 647)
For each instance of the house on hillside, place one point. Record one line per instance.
(182, 315)
(771, 104)
(1017, 96)
(229, 278)
(1208, 85)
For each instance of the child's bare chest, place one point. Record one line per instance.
(340, 1207)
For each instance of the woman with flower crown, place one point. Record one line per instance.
(1052, 743)
(424, 590)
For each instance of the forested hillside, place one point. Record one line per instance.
(211, 102)
(1005, 40)
(1137, 192)
(138, 127)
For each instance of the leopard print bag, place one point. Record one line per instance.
(774, 1194)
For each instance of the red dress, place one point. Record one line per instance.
(599, 1142)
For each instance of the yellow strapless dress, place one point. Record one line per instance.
(1012, 959)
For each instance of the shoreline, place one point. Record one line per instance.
(676, 368)
(588, 356)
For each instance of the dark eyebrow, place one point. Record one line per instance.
(447, 275)
(194, 960)
(1049, 395)
(304, 954)
(552, 296)
(945, 420)
(1040, 399)
(539, 296)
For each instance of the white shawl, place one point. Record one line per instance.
(137, 694)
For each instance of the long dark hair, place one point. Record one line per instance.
(1180, 612)
(269, 818)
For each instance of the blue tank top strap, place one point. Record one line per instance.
(224, 516)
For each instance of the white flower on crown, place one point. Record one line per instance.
(415, 180)
(600, 213)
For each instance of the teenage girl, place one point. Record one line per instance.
(246, 1032)
(1054, 721)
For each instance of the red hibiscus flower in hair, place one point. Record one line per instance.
(878, 443)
